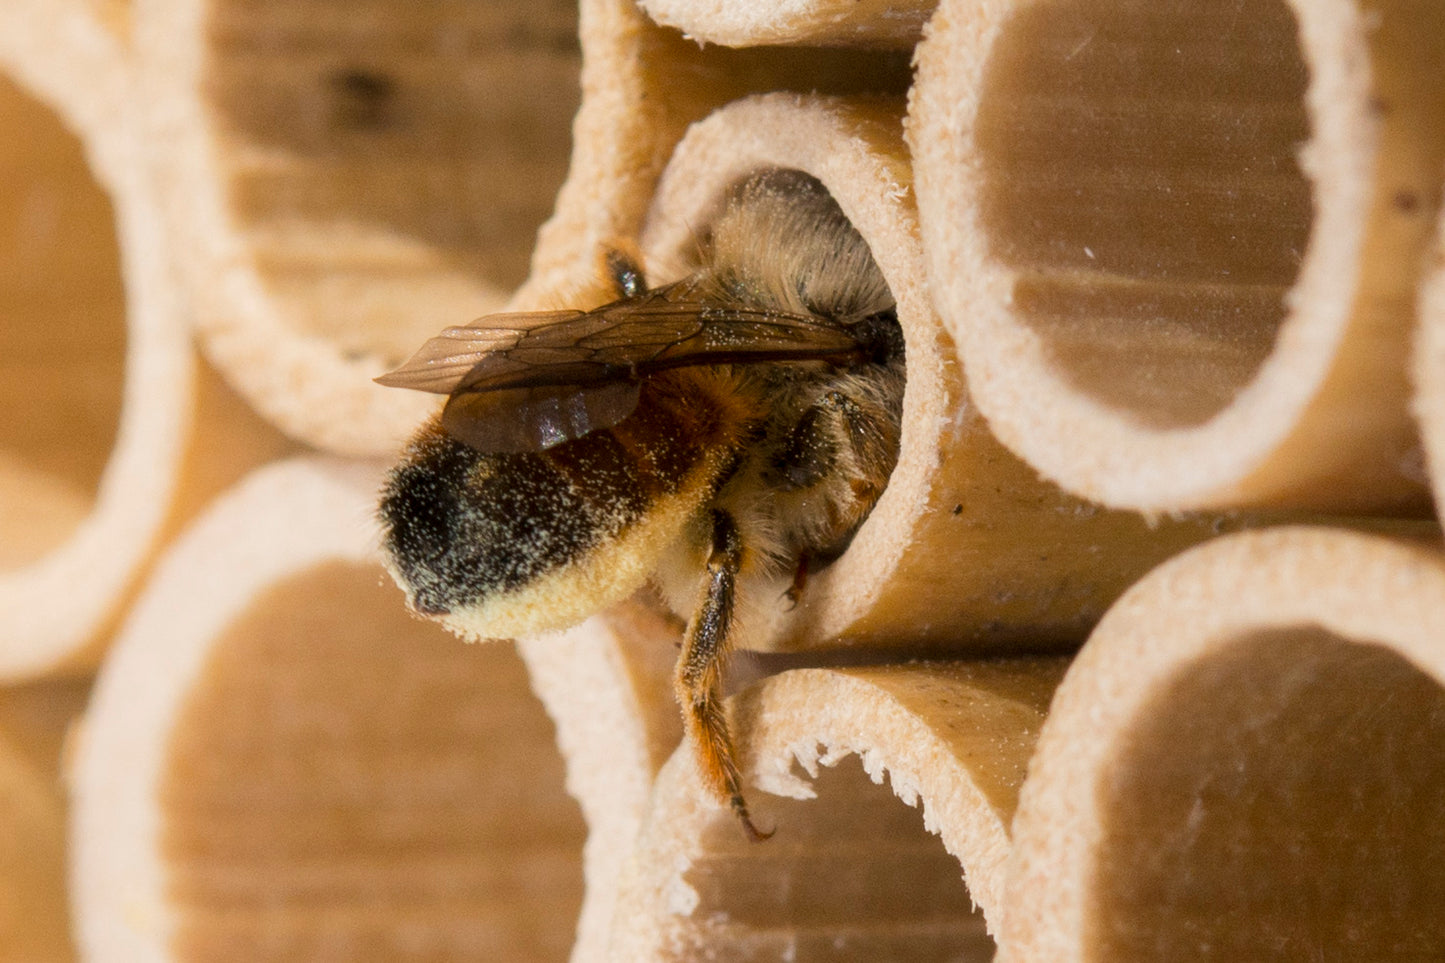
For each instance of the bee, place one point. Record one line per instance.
(710, 435)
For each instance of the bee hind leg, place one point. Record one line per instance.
(699, 672)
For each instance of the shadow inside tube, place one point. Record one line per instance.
(1142, 181)
(62, 331)
(346, 782)
(1283, 800)
(850, 875)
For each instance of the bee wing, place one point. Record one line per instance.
(440, 365)
(535, 419)
(526, 382)
(665, 328)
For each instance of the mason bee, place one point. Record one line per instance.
(714, 435)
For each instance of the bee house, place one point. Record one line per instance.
(1132, 648)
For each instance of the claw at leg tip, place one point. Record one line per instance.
(740, 808)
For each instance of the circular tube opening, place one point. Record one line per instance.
(799, 244)
(1141, 177)
(1281, 800)
(850, 875)
(348, 782)
(389, 165)
(62, 331)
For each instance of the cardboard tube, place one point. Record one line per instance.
(846, 23)
(967, 548)
(1179, 246)
(105, 413)
(849, 870)
(642, 85)
(343, 182)
(279, 762)
(607, 684)
(1243, 763)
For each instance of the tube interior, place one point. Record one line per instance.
(62, 331)
(851, 875)
(35, 917)
(1281, 801)
(389, 163)
(1142, 185)
(346, 782)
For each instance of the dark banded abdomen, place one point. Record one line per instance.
(461, 525)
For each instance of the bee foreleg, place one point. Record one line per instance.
(830, 469)
(809, 452)
(835, 424)
(699, 671)
(872, 437)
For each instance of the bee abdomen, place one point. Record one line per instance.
(463, 526)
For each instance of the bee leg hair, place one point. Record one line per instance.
(873, 445)
(810, 452)
(835, 427)
(699, 672)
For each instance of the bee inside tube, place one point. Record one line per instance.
(716, 436)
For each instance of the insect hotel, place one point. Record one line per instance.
(889, 481)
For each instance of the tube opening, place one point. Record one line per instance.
(1142, 184)
(348, 782)
(62, 331)
(850, 875)
(777, 240)
(1281, 801)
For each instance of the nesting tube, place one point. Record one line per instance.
(1243, 763)
(1178, 246)
(341, 183)
(607, 685)
(278, 762)
(103, 403)
(642, 85)
(966, 548)
(850, 871)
